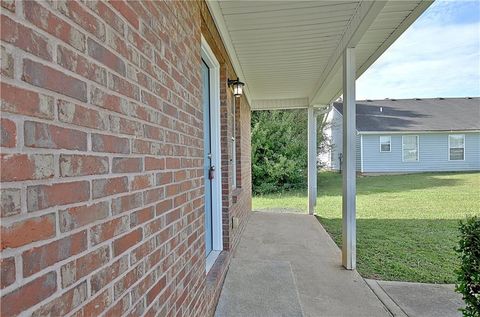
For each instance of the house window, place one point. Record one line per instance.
(410, 148)
(385, 143)
(233, 157)
(456, 147)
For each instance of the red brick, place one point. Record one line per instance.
(8, 133)
(109, 229)
(164, 178)
(77, 217)
(96, 306)
(152, 100)
(81, 267)
(80, 65)
(126, 11)
(36, 259)
(8, 4)
(110, 144)
(25, 38)
(120, 105)
(29, 294)
(10, 203)
(108, 274)
(141, 147)
(80, 165)
(7, 272)
(110, 17)
(27, 231)
(163, 207)
(142, 251)
(44, 196)
(125, 203)
(75, 11)
(123, 87)
(139, 43)
(19, 167)
(71, 113)
(41, 135)
(141, 288)
(141, 182)
(141, 216)
(120, 307)
(172, 163)
(154, 133)
(25, 102)
(45, 20)
(127, 165)
(106, 57)
(152, 163)
(125, 126)
(46, 77)
(153, 293)
(153, 195)
(128, 280)
(127, 241)
(109, 186)
(64, 304)
(7, 68)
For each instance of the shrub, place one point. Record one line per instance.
(469, 273)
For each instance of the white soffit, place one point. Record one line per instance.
(289, 52)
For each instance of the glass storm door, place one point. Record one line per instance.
(207, 150)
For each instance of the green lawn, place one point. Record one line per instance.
(406, 224)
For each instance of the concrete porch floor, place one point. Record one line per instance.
(287, 265)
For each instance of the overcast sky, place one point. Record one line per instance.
(438, 56)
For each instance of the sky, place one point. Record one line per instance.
(438, 56)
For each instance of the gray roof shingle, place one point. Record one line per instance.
(439, 114)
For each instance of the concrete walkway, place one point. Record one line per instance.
(287, 265)
(418, 299)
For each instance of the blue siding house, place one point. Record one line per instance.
(409, 135)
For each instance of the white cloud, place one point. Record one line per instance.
(439, 56)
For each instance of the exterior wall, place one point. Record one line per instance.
(334, 131)
(433, 154)
(102, 204)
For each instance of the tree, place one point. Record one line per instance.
(279, 150)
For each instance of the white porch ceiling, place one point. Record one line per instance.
(289, 53)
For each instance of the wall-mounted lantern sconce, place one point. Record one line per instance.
(237, 86)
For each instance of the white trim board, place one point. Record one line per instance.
(209, 58)
(417, 132)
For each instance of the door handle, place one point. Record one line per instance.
(211, 172)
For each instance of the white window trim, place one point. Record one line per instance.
(389, 142)
(418, 149)
(464, 148)
(209, 58)
(234, 144)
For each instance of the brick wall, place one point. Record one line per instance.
(102, 159)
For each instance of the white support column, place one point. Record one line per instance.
(312, 160)
(349, 161)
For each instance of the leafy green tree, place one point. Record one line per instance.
(279, 150)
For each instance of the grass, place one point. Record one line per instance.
(407, 225)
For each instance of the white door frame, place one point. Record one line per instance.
(214, 67)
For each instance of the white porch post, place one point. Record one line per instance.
(312, 160)
(349, 161)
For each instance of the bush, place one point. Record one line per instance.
(469, 273)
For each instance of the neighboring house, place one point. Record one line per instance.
(409, 135)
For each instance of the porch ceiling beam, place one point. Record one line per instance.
(358, 26)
